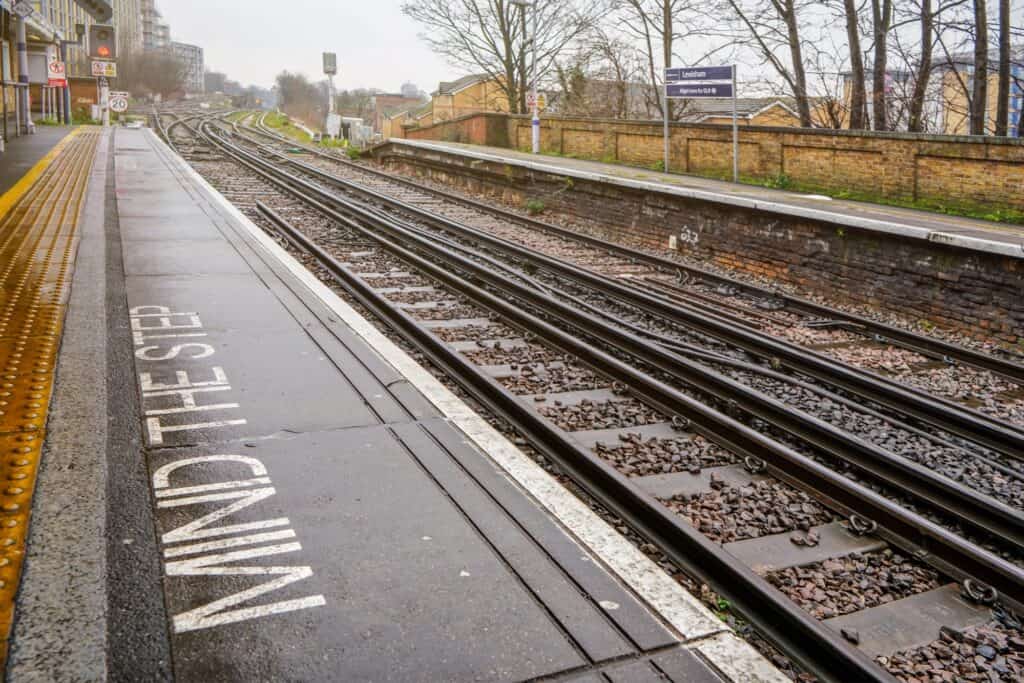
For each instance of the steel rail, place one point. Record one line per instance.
(808, 641)
(928, 346)
(1003, 523)
(958, 556)
(938, 412)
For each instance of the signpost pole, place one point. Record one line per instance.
(735, 133)
(665, 126)
(535, 122)
(105, 101)
(66, 90)
(24, 107)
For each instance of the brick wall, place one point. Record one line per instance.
(972, 291)
(477, 129)
(981, 173)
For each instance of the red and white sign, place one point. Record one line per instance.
(542, 101)
(56, 74)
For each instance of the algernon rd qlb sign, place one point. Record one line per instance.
(698, 89)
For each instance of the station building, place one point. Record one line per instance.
(24, 73)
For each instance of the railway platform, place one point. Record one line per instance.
(243, 479)
(968, 233)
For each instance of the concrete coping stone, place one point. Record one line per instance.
(1004, 247)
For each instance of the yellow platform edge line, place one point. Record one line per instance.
(18, 190)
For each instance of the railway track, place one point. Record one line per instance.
(927, 389)
(613, 405)
(761, 306)
(929, 447)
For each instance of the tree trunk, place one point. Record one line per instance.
(924, 69)
(979, 92)
(803, 106)
(857, 92)
(666, 45)
(881, 15)
(1003, 96)
(522, 63)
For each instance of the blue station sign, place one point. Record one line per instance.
(698, 73)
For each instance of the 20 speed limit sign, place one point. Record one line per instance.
(119, 102)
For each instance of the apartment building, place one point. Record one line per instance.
(192, 57)
(156, 33)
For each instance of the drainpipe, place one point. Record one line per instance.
(3, 86)
(23, 104)
(65, 92)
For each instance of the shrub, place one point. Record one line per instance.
(535, 206)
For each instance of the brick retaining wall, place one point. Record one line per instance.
(972, 291)
(980, 173)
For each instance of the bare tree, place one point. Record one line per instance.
(488, 36)
(858, 96)
(152, 72)
(881, 23)
(357, 103)
(1003, 96)
(659, 28)
(979, 91)
(617, 66)
(650, 23)
(601, 79)
(915, 119)
(299, 98)
(773, 26)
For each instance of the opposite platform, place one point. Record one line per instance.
(967, 233)
(323, 507)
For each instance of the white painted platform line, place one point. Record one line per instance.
(698, 627)
(1012, 249)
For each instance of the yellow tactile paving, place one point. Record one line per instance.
(39, 219)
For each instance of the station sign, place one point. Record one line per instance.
(698, 90)
(696, 82)
(703, 73)
(104, 69)
(56, 74)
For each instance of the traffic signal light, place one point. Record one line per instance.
(101, 42)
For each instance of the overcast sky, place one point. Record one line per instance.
(252, 41)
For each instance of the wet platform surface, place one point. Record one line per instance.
(39, 233)
(24, 152)
(318, 518)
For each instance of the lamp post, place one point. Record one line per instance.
(523, 4)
